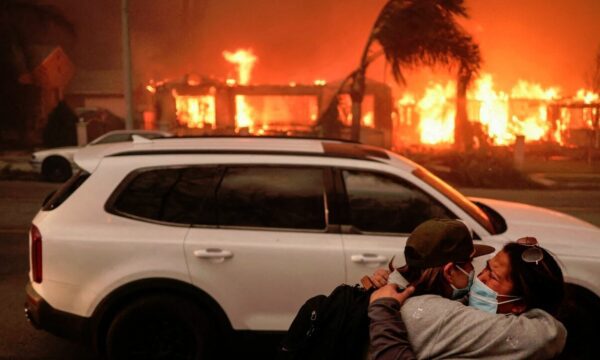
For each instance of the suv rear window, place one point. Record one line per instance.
(236, 196)
(66, 190)
(176, 195)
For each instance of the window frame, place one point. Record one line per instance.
(106, 139)
(327, 194)
(349, 228)
(330, 197)
(109, 206)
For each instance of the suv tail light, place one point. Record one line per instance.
(36, 254)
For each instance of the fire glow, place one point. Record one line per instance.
(530, 110)
(263, 114)
(500, 117)
(244, 61)
(196, 111)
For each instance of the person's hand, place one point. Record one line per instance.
(380, 277)
(391, 291)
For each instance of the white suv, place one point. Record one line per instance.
(172, 245)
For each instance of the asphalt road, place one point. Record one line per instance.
(19, 201)
(18, 339)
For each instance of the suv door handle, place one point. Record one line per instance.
(369, 259)
(213, 253)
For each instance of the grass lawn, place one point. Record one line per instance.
(560, 165)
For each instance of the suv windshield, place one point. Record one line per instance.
(451, 193)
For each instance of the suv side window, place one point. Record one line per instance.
(384, 203)
(272, 197)
(114, 138)
(177, 195)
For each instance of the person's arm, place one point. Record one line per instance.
(387, 332)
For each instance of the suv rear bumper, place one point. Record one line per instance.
(60, 323)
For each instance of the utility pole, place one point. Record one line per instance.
(127, 77)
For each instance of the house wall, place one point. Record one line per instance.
(115, 104)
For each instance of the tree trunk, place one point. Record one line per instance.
(463, 137)
(357, 93)
(357, 87)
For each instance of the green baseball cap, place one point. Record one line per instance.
(439, 241)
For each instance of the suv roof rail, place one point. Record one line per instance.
(89, 158)
(345, 150)
(268, 137)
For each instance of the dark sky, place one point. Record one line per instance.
(548, 41)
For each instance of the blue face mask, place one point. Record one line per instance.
(483, 298)
(459, 293)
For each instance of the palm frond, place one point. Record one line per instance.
(455, 7)
(414, 33)
(424, 32)
(45, 14)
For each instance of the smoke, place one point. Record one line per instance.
(552, 42)
(298, 40)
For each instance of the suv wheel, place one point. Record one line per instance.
(580, 313)
(159, 327)
(56, 169)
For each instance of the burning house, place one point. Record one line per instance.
(498, 118)
(198, 105)
(206, 106)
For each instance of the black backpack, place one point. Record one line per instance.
(330, 327)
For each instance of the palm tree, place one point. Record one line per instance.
(593, 76)
(415, 33)
(23, 23)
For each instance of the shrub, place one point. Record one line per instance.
(61, 129)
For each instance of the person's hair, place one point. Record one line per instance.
(541, 285)
(426, 281)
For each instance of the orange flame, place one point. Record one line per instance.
(587, 96)
(493, 110)
(345, 110)
(437, 114)
(196, 111)
(368, 120)
(407, 99)
(526, 90)
(502, 117)
(244, 61)
(589, 114)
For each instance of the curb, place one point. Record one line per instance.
(558, 181)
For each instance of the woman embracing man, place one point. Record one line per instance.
(435, 307)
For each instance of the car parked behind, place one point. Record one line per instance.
(177, 244)
(57, 164)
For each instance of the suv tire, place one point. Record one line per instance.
(160, 327)
(580, 313)
(56, 169)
